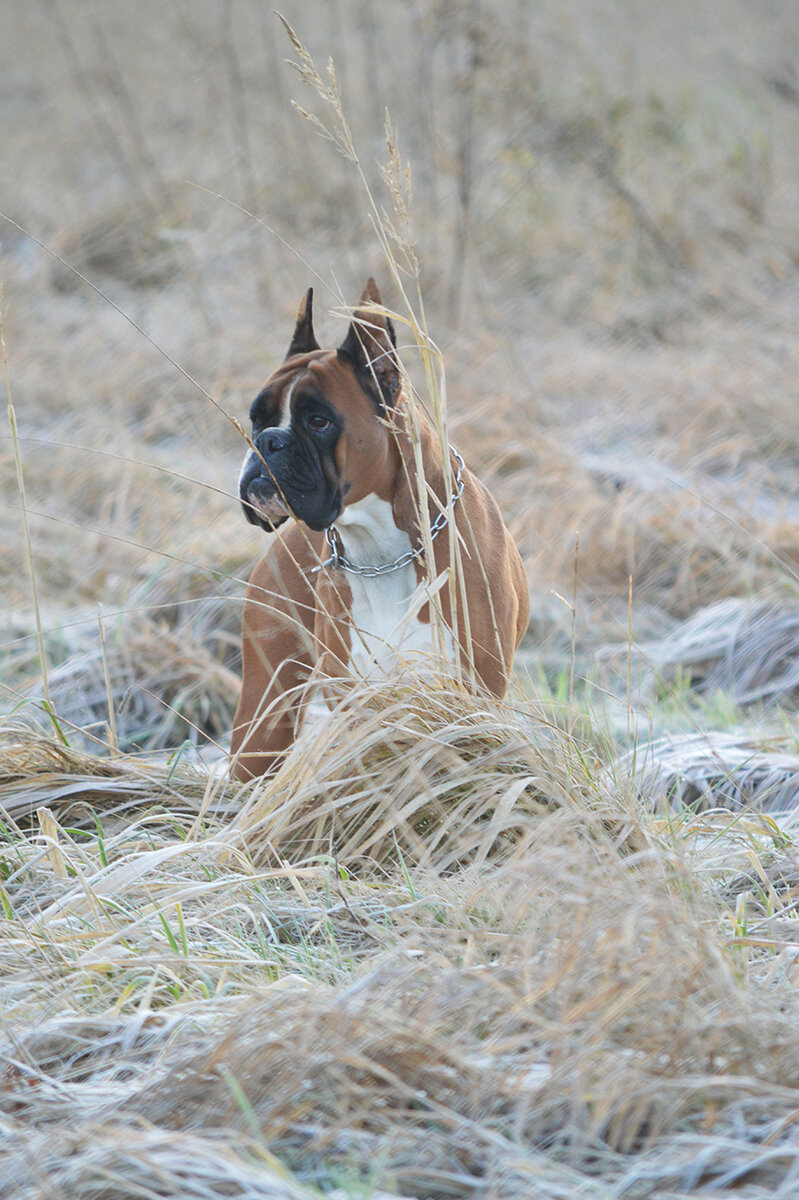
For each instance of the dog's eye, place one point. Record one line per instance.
(318, 423)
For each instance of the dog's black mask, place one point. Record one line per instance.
(292, 471)
(297, 420)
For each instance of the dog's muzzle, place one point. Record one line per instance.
(260, 495)
(284, 477)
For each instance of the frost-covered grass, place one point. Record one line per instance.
(451, 956)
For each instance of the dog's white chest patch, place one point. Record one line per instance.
(386, 633)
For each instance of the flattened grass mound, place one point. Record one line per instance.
(734, 769)
(745, 649)
(37, 770)
(164, 670)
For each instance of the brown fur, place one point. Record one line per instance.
(296, 622)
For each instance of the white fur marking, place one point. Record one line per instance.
(386, 631)
(285, 420)
(285, 423)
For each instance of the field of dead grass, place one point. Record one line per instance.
(454, 948)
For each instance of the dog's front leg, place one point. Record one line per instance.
(278, 652)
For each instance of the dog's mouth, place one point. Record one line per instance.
(268, 500)
(272, 508)
(264, 506)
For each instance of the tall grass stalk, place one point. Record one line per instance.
(23, 508)
(396, 242)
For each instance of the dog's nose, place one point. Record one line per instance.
(272, 440)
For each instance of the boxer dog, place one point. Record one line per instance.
(341, 589)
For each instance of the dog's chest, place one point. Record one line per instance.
(385, 631)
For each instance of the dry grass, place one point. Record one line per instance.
(452, 948)
(735, 769)
(746, 650)
(573, 1003)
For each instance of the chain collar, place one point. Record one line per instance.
(336, 544)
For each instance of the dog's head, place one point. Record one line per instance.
(319, 439)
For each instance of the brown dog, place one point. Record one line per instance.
(338, 588)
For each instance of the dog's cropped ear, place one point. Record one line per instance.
(370, 346)
(304, 340)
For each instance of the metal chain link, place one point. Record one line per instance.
(334, 539)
